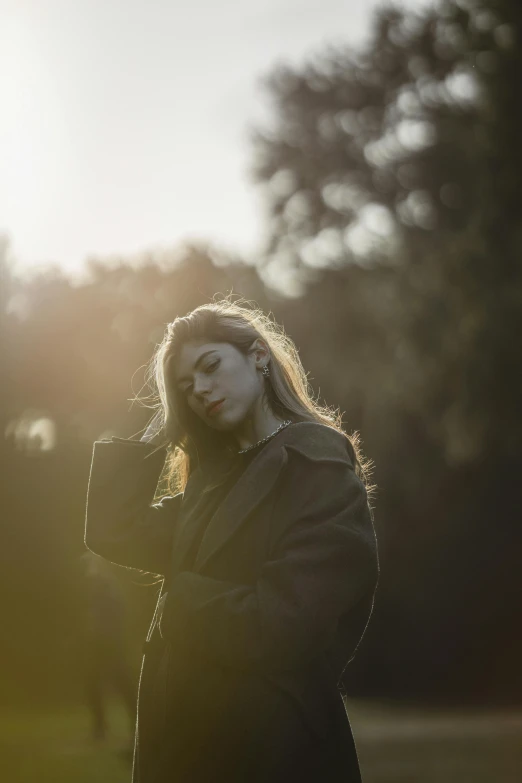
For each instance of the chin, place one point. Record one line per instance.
(223, 425)
(225, 422)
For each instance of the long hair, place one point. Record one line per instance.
(188, 439)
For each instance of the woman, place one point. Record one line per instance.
(267, 549)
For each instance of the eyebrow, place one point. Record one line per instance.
(196, 365)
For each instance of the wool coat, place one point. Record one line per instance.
(241, 680)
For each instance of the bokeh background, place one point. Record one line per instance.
(355, 170)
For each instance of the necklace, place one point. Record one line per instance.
(263, 440)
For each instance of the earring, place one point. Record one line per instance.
(266, 371)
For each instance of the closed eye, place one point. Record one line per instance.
(208, 369)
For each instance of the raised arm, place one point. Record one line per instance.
(122, 524)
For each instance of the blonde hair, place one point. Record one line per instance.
(187, 438)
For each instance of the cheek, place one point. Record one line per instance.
(246, 392)
(187, 404)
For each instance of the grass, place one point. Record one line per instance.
(55, 746)
(395, 745)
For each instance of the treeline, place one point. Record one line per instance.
(391, 178)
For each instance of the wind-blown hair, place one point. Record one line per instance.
(188, 439)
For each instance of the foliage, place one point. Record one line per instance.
(404, 155)
(391, 176)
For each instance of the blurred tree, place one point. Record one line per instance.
(79, 347)
(405, 154)
(391, 177)
(5, 327)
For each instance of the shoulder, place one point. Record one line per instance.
(317, 442)
(319, 480)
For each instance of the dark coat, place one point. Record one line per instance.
(240, 679)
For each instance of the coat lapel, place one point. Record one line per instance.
(251, 488)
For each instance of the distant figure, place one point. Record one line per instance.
(105, 649)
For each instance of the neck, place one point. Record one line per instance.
(261, 424)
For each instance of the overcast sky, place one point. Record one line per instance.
(123, 122)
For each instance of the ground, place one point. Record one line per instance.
(396, 745)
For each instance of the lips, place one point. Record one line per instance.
(214, 407)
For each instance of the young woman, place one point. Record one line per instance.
(267, 548)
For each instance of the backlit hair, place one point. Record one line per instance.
(188, 439)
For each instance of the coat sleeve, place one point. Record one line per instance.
(322, 564)
(122, 525)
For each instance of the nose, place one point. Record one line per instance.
(201, 389)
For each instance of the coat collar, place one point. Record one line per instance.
(253, 485)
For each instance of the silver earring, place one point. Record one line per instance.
(266, 371)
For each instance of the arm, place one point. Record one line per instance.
(121, 523)
(322, 564)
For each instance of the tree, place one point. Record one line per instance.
(401, 159)
(405, 155)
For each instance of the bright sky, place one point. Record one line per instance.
(123, 123)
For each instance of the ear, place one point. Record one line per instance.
(261, 351)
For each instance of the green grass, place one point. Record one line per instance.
(395, 745)
(55, 746)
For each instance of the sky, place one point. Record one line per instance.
(124, 124)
